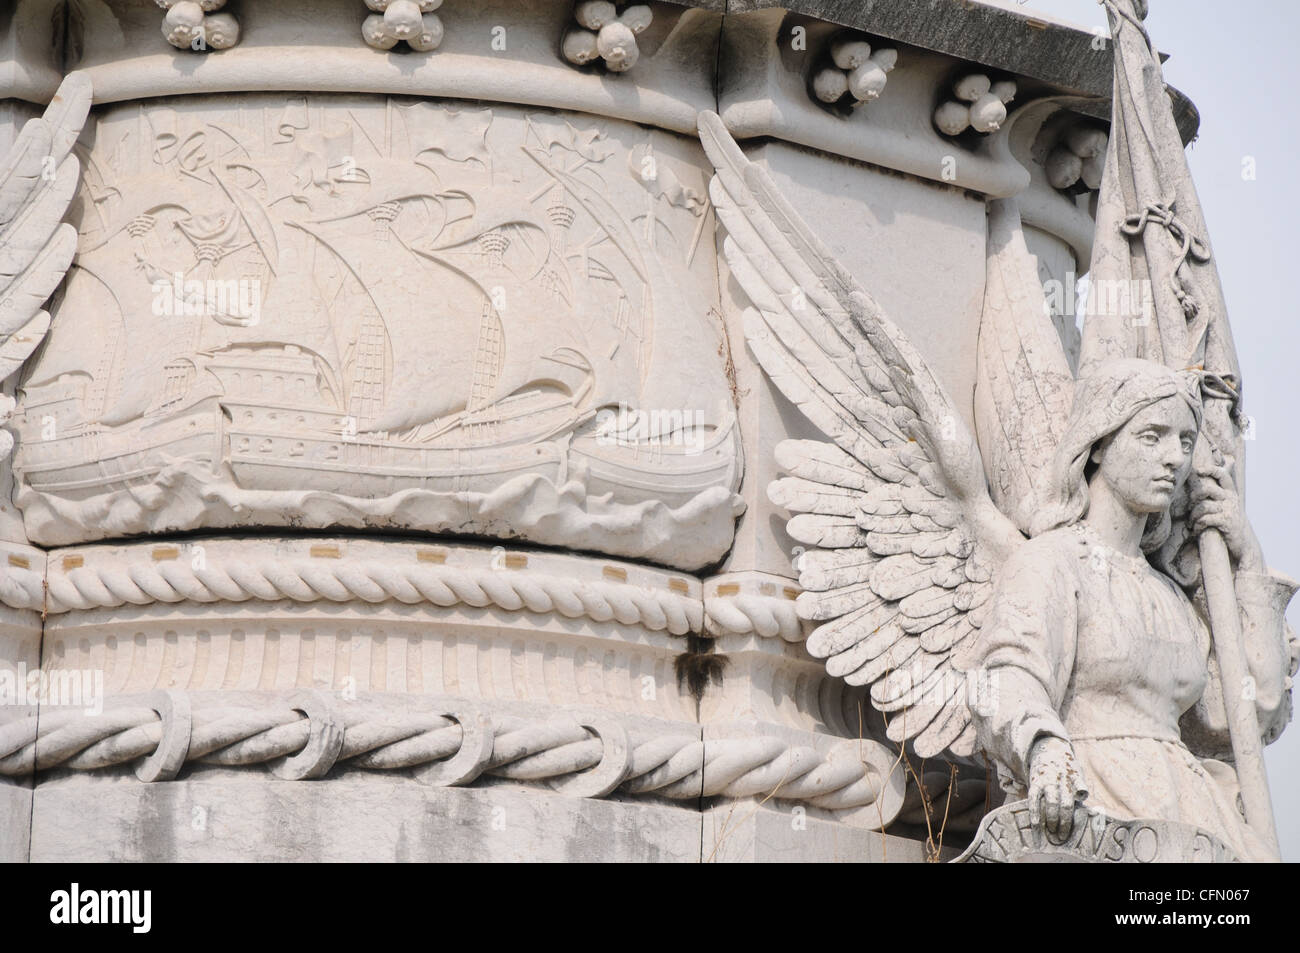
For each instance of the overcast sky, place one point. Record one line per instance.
(1237, 63)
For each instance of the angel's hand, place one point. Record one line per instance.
(1216, 504)
(1055, 784)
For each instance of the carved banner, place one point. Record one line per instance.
(1007, 836)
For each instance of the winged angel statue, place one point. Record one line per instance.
(37, 181)
(1041, 578)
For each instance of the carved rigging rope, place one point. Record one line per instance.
(1161, 213)
(581, 757)
(1190, 246)
(1136, 22)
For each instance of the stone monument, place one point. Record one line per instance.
(594, 431)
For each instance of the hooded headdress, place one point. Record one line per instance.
(1103, 403)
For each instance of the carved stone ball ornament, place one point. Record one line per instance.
(397, 21)
(606, 34)
(855, 70)
(980, 104)
(194, 25)
(1079, 155)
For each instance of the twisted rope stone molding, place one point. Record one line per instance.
(22, 577)
(347, 570)
(344, 570)
(752, 602)
(452, 742)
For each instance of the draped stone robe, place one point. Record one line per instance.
(1104, 652)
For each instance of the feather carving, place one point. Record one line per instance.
(38, 179)
(895, 502)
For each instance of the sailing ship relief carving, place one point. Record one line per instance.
(387, 314)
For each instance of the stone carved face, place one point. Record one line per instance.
(1146, 461)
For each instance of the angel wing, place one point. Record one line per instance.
(1023, 382)
(906, 535)
(37, 181)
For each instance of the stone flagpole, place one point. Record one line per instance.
(1152, 245)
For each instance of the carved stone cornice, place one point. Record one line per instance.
(319, 51)
(1059, 55)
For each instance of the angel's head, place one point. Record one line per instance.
(1133, 428)
(1146, 460)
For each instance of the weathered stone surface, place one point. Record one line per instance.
(558, 523)
(15, 822)
(1017, 588)
(1008, 835)
(760, 832)
(1014, 40)
(353, 820)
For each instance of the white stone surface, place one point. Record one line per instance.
(20, 636)
(764, 93)
(922, 245)
(477, 293)
(264, 328)
(1010, 835)
(760, 832)
(352, 820)
(1068, 658)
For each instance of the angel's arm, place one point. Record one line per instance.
(1025, 651)
(1262, 597)
(1271, 646)
(1272, 652)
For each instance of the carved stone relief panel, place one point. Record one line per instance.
(386, 313)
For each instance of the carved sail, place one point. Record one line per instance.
(398, 284)
(438, 326)
(670, 360)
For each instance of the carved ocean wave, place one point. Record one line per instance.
(183, 497)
